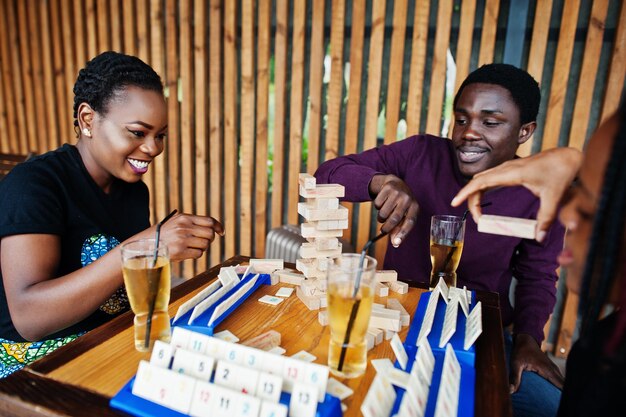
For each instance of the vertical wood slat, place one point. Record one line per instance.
(4, 137)
(280, 88)
(371, 105)
(7, 80)
(295, 110)
(141, 36)
(215, 119)
(157, 61)
(419, 44)
(64, 119)
(490, 27)
(200, 58)
(14, 48)
(568, 324)
(5, 122)
(558, 88)
(171, 82)
(537, 54)
(262, 119)
(315, 78)
(50, 103)
(185, 59)
(335, 88)
(351, 134)
(438, 74)
(230, 129)
(464, 43)
(27, 70)
(617, 69)
(115, 27)
(103, 22)
(128, 16)
(91, 24)
(247, 125)
(589, 70)
(80, 39)
(394, 85)
(69, 65)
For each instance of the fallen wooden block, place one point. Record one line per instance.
(385, 323)
(386, 276)
(389, 334)
(322, 317)
(324, 191)
(265, 341)
(312, 303)
(289, 276)
(394, 304)
(307, 181)
(507, 226)
(398, 287)
(266, 266)
(378, 335)
(370, 341)
(381, 290)
(309, 230)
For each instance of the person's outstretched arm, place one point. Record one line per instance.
(547, 175)
(42, 303)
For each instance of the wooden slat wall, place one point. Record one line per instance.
(225, 135)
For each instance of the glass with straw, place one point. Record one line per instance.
(446, 245)
(147, 277)
(350, 294)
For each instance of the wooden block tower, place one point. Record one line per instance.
(325, 220)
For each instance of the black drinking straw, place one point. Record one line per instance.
(355, 306)
(154, 261)
(456, 237)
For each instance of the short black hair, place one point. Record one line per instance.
(522, 86)
(108, 73)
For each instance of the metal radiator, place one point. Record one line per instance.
(284, 243)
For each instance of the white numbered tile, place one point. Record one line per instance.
(409, 408)
(197, 342)
(231, 300)
(161, 354)
(462, 300)
(443, 289)
(427, 354)
(207, 303)
(247, 406)
(448, 394)
(193, 364)
(284, 292)
(269, 387)
(196, 299)
(400, 352)
(382, 365)
(272, 362)
(216, 348)
(418, 391)
(269, 409)
(293, 371)
(420, 365)
(337, 389)
(317, 375)
(235, 377)
(303, 355)
(398, 377)
(225, 402)
(473, 326)
(146, 381)
(277, 350)
(303, 402)
(180, 337)
(226, 335)
(379, 398)
(234, 353)
(449, 323)
(203, 400)
(252, 358)
(164, 387)
(429, 316)
(271, 300)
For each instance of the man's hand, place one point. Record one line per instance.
(527, 356)
(397, 208)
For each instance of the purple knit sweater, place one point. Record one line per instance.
(428, 166)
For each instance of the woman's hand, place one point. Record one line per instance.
(187, 236)
(547, 175)
(397, 208)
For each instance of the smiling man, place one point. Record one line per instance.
(411, 180)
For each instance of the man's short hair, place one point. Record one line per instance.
(522, 86)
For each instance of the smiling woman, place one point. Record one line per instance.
(64, 213)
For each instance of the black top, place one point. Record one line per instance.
(595, 385)
(54, 194)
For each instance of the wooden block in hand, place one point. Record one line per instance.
(507, 226)
(307, 181)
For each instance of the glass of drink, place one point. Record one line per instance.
(446, 246)
(349, 313)
(147, 279)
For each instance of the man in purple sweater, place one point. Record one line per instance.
(495, 111)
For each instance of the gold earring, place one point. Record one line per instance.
(87, 132)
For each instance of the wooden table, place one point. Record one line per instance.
(80, 378)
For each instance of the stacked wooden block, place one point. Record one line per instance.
(325, 220)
